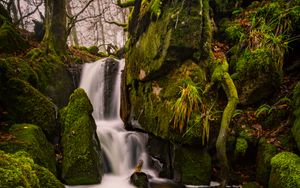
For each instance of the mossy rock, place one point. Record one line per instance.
(30, 138)
(82, 160)
(25, 104)
(296, 126)
(152, 103)
(193, 166)
(10, 40)
(285, 171)
(55, 81)
(19, 170)
(14, 67)
(263, 158)
(165, 41)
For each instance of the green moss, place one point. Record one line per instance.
(25, 104)
(194, 165)
(30, 138)
(14, 67)
(82, 161)
(241, 147)
(296, 126)
(153, 100)
(19, 170)
(54, 79)
(285, 171)
(263, 158)
(10, 40)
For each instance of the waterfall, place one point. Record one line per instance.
(121, 149)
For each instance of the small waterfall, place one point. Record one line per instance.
(121, 149)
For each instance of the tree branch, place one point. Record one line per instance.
(126, 4)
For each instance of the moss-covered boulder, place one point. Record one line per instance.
(14, 67)
(192, 165)
(296, 126)
(25, 104)
(82, 160)
(152, 102)
(10, 39)
(30, 138)
(285, 171)
(54, 79)
(19, 170)
(264, 155)
(241, 147)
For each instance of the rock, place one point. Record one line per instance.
(263, 158)
(139, 179)
(82, 160)
(30, 138)
(285, 172)
(192, 165)
(25, 104)
(296, 126)
(161, 152)
(19, 170)
(10, 40)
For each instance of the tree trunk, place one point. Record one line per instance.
(73, 36)
(55, 37)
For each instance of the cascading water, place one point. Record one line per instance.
(121, 149)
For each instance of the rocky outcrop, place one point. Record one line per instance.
(82, 160)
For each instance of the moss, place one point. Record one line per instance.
(193, 165)
(26, 104)
(10, 40)
(241, 147)
(153, 100)
(165, 42)
(296, 126)
(82, 161)
(251, 185)
(263, 158)
(14, 67)
(19, 170)
(30, 138)
(54, 79)
(285, 171)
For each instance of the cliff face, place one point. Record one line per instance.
(173, 55)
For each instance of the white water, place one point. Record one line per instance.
(122, 149)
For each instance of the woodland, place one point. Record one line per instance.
(215, 86)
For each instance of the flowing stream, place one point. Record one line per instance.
(121, 149)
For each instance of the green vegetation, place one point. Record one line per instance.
(241, 147)
(82, 162)
(296, 126)
(285, 171)
(26, 104)
(189, 102)
(264, 155)
(194, 165)
(30, 138)
(19, 170)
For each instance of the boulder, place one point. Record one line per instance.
(192, 166)
(25, 104)
(30, 138)
(82, 160)
(264, 155)
(19, 170)
(139, 180)
(285, 171)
